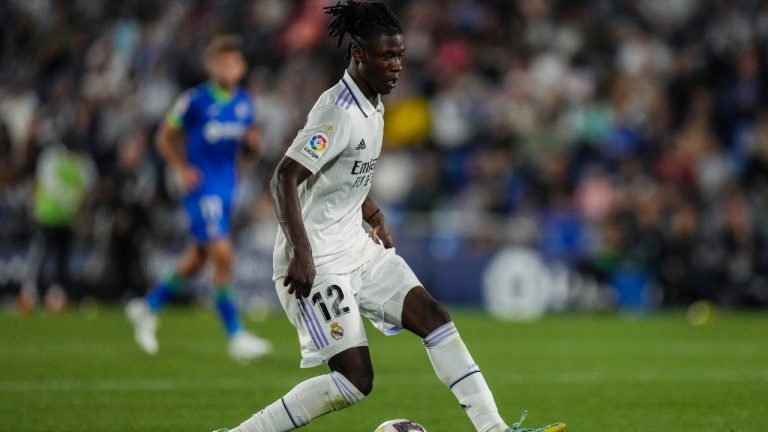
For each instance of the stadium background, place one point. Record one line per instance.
(619, 148)
(577, 155)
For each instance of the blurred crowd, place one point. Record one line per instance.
(617, 137)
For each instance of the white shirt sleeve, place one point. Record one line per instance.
(324, 136)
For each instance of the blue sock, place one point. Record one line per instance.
(225, 306)
(163, 292)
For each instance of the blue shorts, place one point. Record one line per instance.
(208, 216)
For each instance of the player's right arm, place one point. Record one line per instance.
(300, 275)
(327, 130)
(170, 140)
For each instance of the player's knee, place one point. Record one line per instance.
(355, 365)
(437, 312)
(223, 263)
(191, 263)
(422, 314)
(434, 313)
(362, 380)
(200, 252)
(199, 255)
(222, 257)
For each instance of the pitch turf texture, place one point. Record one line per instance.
(81, 372)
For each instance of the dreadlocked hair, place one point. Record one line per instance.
(362, 20)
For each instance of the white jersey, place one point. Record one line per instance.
(339, 144)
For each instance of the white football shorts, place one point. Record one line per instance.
(329, 321)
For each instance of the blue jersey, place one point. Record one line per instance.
(214, 124)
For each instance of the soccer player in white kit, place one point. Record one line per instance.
(328, 271)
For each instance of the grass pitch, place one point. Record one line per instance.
(82, 372)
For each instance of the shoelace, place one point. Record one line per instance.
(516, 426)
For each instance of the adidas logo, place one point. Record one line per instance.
(361, 146)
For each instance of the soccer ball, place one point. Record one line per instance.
(400, 425)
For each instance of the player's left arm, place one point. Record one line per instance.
(380, 231)
(251, 143)
(250, 149)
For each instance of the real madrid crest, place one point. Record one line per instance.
(330, 127)
(337, 331)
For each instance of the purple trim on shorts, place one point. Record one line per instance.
(317, 322)
(307, 324)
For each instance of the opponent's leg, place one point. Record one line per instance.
(349, 382)
(143, 312)
(242, 346)
(220, 252)
(190, 263)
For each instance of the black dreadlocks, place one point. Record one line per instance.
(362, 20)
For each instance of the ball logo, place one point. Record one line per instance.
(337, 331)
(319, 142)
(401, 425)
(316, 145)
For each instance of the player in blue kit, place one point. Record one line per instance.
(213, 120)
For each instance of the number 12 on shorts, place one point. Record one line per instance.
(334, 293)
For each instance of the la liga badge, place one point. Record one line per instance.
(317, 145)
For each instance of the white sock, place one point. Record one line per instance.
(307, 401)
(454, 366)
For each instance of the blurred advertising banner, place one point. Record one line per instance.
(514, 283)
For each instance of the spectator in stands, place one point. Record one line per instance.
(510, 106)
(64, 177)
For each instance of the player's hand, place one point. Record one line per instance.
(189, 177)
(380, 232)
(301, 273)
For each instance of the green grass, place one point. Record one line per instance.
(82, 372)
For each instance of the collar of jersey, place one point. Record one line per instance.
(362, 102)
(218, 94)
